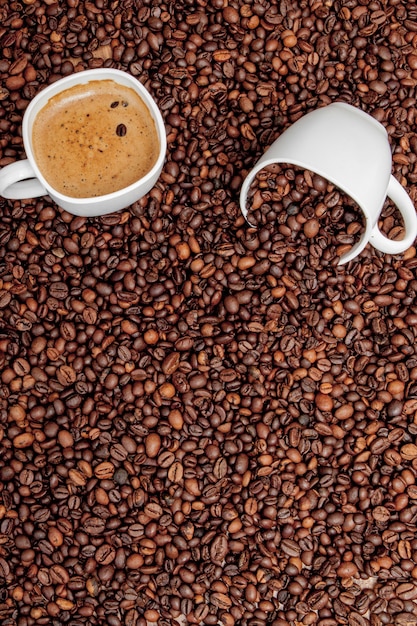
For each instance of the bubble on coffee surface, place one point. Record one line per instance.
(304, 208)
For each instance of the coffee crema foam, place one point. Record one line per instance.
(94, 139)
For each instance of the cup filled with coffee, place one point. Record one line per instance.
(348, 148)
(95, 143)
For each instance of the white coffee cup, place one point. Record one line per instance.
(23, 179)
(350, 149)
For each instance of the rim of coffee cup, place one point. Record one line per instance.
(356, 249)
(83, 77)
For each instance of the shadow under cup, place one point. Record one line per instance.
(310, 216)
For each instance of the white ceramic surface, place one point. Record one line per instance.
(350, 149)
(23, 179)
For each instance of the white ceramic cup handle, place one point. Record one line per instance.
(403, 202)
(18, 181)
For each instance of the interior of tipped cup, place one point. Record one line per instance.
(305, 209)
(305, 206)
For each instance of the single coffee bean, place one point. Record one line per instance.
(94, 526)
(290, 547)
(219, 548)
(121, 130)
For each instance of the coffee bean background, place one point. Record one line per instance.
(201, 422)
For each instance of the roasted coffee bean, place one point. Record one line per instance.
(121, 130)
(58, 290)
(355, 619)
(290, 548)
(105, 554)
(405, 619)
(219, 549)
(94, 526)
(4, 569)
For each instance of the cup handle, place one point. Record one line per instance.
(403, 202)
(18, 181)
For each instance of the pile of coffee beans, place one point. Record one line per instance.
(201, 423)
(314, 218)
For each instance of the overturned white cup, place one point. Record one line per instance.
(350, 149)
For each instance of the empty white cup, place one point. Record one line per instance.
(351, 150)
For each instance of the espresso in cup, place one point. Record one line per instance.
(94, 139)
